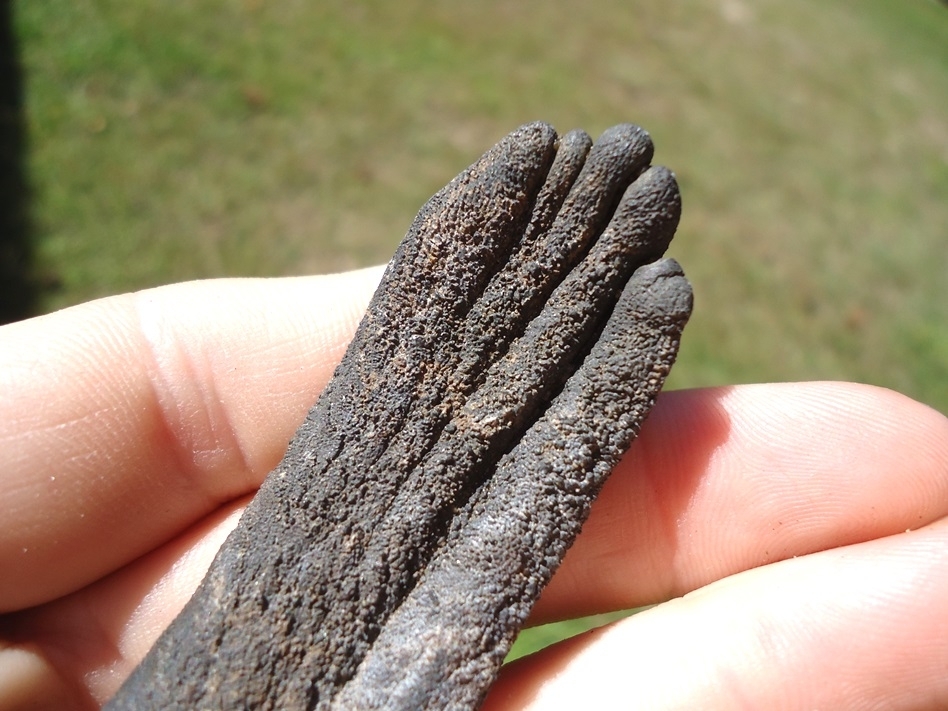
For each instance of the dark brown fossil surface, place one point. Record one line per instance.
(515, 345)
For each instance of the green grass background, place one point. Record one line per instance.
(173, 141)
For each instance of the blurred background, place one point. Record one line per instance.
(146, 142)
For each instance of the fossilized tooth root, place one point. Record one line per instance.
(516, 343)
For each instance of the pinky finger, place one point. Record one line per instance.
(860, 627)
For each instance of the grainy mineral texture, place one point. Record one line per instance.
(516, 343)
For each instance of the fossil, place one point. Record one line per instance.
(518, 339)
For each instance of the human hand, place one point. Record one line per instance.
(135, 428)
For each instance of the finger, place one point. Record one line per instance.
(128, 630)
(724, 480)
(89, 642)
(859, 627)
(126, 419)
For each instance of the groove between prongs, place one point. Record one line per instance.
(546, 255)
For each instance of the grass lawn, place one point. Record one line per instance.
(172, 141)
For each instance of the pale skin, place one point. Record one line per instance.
(792, 536)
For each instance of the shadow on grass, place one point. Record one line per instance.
(18, 287)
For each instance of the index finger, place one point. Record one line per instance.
(126, 419)
(723, 480)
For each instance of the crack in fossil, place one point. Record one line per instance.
(516, 343)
